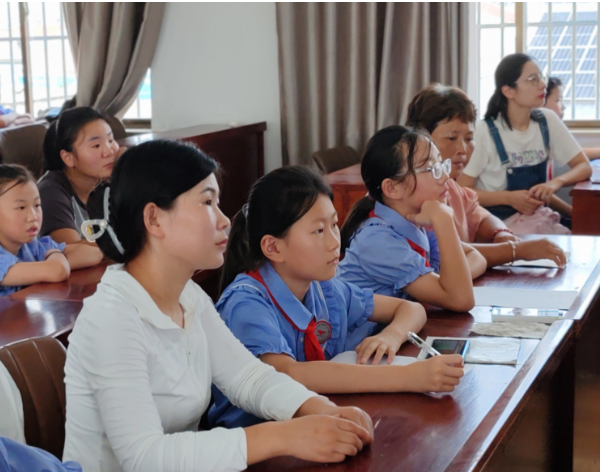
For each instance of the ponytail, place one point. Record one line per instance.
(359, 213)
(276, 201)
(236, 256)
(107, 241)
(507, 73)
(390, 154)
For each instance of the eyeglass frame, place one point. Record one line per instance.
(438, 165)
(535, 78)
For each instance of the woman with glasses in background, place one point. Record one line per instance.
(510, 168)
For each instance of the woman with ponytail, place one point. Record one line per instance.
(282, 302)
(149, 343)
(511, 167)
(401, 240)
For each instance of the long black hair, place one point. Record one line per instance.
(63, 132)
(390, 152)
(153, 172)
(276, 201)
(507, 73)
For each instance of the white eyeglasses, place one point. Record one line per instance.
(436, 169)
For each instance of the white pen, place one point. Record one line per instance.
(417, 341)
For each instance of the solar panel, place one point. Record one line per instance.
(585, 52)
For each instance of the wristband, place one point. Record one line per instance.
(514, 249)
(500, 230)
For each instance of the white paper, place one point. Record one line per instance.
(542, 263)
(486, 350)
(524, 298)
(493, 351)
(514, 330)
(349, 357)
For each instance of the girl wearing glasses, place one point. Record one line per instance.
(510, 168)
(448, 115)
(282, 302)
(401, 240)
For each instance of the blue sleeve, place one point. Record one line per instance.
(254, 321)
(386, 256)
(434, 251)
(44, 245)
(359, 303)
(7, 260)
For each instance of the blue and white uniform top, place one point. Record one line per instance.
(35, 251)
(388, 252)
(248, 311)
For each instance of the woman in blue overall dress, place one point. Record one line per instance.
(511, 166)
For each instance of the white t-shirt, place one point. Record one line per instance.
(137, 384)
(524, 148)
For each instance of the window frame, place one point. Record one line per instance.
(520, 47)
(25, 38)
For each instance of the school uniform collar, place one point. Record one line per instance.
(120, 280)
(402, 226)
(300, 314)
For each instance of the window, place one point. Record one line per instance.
(36, 64)
(562, 36)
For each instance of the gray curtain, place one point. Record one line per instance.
(113, 45)
(348, 69)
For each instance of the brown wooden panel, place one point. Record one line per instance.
(23, 319)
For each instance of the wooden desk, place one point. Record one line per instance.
(23, 319)
(477, 425)
(586, 204)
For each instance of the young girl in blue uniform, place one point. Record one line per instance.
(24, 259)
(387, 246)
(282, 301)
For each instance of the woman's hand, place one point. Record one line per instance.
(522, 201)
(321, 438)
(431, 210)
(378, 345)
(540, 249)
(505, 236)
(437, 374)
(544, 191)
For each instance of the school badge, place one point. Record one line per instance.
(323, 331)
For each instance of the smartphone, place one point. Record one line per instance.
(451, 346)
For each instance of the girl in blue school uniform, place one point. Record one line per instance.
(282, 302)
(24, 259)
(400, 240)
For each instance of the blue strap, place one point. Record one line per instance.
(539, 117)
(498, 142)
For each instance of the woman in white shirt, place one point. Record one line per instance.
(149, 343)
(515, 143)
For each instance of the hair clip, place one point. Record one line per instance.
(87, 227)
(245, 210)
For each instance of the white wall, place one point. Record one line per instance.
(217, 63)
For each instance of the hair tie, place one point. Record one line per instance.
(87, 227)
(370, 197)
(245, 210)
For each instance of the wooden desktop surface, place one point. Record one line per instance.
(586, 204)
(497, 414)
(458, 431)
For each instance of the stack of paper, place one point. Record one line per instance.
(524, 298)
